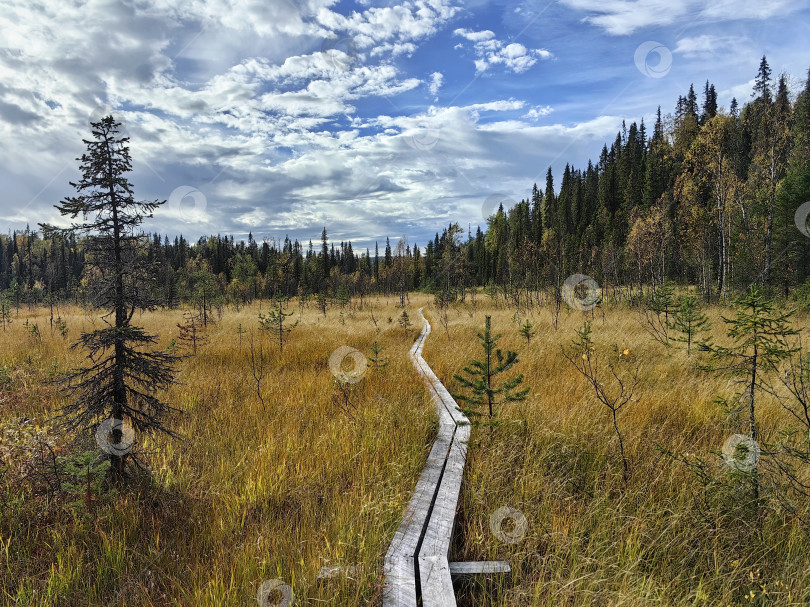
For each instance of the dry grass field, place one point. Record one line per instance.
(276, 492)
(252, 493)
(665, 539)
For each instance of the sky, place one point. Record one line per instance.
(372, 119)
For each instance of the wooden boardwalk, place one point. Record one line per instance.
(417, 570)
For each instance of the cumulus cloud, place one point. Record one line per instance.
(436, 79)
(489, 51)
(538, 112)
(287, 116)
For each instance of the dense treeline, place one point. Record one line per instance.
(707, 198)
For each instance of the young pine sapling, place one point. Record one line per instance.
(377, 359)
(483, 390)
(689, 321)
(527, 331)
(661, 305)
(275, 321)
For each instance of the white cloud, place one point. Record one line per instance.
(538, 112)
(503, 105)
(490, 51)
(622, 17)
(707, 45)
(474, 36)
(436, 79)
(742, 92)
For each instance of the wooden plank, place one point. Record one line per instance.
(416, 565)
(400, 584)
(440, 527)
(400, 561)
(465, 568)
(411, 528)
(437, 583)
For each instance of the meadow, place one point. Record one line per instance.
(667, 537)
(251, 493)
(277, 490)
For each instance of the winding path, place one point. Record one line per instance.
(417, 570)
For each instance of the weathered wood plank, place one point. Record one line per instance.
(411, 528)
(437, 583)
(416, 564)
(400, 583)
(436, 541)
(465, 568)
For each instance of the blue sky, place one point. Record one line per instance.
(375, 119)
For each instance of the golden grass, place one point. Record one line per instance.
(665, 539)
(250, 494)
(254, 494)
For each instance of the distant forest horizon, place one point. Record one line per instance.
(707, 197)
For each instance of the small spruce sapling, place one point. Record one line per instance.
(191, 331)
(274, 322)
(689, 321)
(404, 320)
(377, 359)
(481, 385)
(660, 306)
(758, 334)
(32, 329)
(527, 332)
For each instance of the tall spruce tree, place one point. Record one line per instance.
(122, 379)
